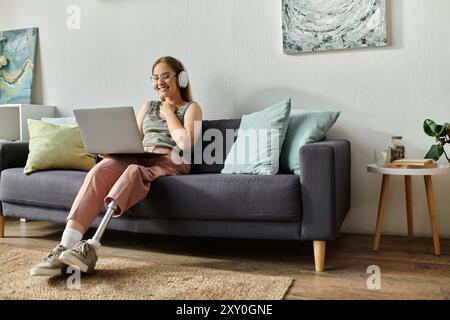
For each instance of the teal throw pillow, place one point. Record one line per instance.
(68, 121)
(260, 137)
(305, 126)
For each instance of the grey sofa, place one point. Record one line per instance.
(311, 206)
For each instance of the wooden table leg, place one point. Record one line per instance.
(433, 215)
(409, 209)
(381, 205)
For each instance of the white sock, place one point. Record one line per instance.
(71, 237)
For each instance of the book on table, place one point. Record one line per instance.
(414, 163)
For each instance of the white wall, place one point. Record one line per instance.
(233, 51)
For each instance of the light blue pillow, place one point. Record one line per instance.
(68, 121)
(305, 126)
(260, 137)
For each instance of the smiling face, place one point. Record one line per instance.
(166, 85)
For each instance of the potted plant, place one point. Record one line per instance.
(442, 135)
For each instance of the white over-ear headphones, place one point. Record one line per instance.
(183, 79)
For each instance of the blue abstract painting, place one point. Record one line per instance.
(17, 62)
(316, 25)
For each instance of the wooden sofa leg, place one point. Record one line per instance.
(2, 225)
(319, 254)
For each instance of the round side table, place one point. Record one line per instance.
(408, 173)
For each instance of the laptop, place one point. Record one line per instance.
(111, 131)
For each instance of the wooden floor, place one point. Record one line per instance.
(408, 270)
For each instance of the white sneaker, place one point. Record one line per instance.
(50, 266)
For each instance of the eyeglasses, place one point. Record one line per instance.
(164, 77)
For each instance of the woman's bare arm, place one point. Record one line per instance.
(193, 115)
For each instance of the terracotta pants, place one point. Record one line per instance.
(123, 179)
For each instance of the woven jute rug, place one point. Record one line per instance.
(130, 279)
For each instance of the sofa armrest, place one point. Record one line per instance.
(325, 188)
(13, 154)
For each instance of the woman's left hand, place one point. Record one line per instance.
(166, 109)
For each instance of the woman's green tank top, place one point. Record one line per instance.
(155, 128)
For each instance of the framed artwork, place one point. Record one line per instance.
(317, 25)
(17, 63)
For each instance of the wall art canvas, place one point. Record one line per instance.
(316, 25)
(17, 63)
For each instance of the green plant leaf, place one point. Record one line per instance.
(431, 128)
(447, 129)
(444, 130)
(435, 152)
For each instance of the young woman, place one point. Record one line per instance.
(166, 126)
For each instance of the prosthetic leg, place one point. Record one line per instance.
(84, 255)
(95, 241)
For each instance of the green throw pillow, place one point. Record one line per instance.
(305, 126)
(260, 137)
(56, 147)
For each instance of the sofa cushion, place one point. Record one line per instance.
(223, 197)
(47, 188)
(196, 196)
